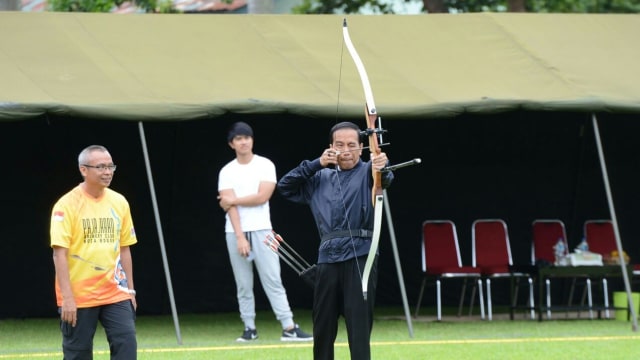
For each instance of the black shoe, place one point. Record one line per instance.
(248, 335)
(295, 334)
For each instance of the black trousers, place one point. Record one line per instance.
(118, 321)
(338, 291)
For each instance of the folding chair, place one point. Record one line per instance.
(441, 260)
(545, 235)
(492, 254)
(600, 236)
(601, 239)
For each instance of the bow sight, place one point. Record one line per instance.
(367, 132)
(379, 132)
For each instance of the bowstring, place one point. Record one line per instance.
(344, 205)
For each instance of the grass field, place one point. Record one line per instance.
(212, 336)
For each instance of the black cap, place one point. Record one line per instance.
(239, 128)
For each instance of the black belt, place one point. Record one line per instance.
(347, 233)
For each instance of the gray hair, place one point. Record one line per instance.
(83, 158)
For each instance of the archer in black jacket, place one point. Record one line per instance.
(341, 203)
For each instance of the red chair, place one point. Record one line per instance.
(441, 260)
(492, 254)
(601, 239)
(545, 235)
(600, 236)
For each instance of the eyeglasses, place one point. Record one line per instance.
(101, 167)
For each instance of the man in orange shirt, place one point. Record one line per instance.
(91, 231)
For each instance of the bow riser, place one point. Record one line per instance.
(374, 148)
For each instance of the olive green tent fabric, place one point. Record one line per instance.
(181, 67)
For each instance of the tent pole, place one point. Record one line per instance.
(394, 246)
(159, 229)
(614, 220)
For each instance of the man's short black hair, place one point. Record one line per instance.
(343, 125)
(239, 128)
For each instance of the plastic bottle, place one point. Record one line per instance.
(559, 251)
(583, 246)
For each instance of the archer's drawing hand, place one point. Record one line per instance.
(329, 157)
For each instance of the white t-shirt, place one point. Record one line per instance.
(245, 180)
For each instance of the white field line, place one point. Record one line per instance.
(341, 344)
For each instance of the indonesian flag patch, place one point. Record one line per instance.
(58, 216)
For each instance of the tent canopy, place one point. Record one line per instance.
(183, 67)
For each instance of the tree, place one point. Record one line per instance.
(458, 6)
(107, 5)
(584, 6)
(434, 6)
(342, 6)
(516, 6)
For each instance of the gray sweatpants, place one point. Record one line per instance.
(267, 264)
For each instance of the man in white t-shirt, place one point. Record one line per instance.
(245, 186)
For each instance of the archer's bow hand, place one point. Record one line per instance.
(379, 161)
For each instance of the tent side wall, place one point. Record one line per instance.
(517, 166)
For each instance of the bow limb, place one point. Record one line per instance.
(377, 196)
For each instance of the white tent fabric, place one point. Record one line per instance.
(181, 67)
